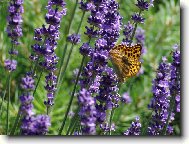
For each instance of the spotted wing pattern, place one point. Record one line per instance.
(126, 60)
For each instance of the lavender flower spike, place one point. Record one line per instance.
(87, 112)
(56, 10)
(174, 83)
(31, 124)
(14, 29)
(160, 102)
(105, 25)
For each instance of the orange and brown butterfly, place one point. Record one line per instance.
(126, 60)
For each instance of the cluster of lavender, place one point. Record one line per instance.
(105, 24)
(161, 99)
(31, 124)
(135, 128)
(14, 30)
(45, 52)
(166, 87)
(130, 28)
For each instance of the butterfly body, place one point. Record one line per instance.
(126, 60)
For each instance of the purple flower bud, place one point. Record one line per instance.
(135, 128)
(126, 98)
(10, 65)
(137, 18)
(87, 6)
(74, 39)
(142, 5)
(85, 49)
(28, 83)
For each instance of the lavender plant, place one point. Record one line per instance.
(93, 101)
(166, 92)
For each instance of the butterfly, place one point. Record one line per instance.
(125, 59)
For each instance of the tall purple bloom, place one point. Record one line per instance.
(87, 112)
(44, 51)
(142, 5)
(160, 102)
(105, 24)
(74, 39)
(174, 83)
(14, 30)
(31, 124)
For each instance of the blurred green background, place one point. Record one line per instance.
(162, 31)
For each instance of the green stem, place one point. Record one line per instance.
(72, 96)
(132, 36)
(61, 66)
(37, 83)
(62, 71)
(65, 68)
(76, 125)
(4, 94)
(66, 45)
(82, 17)
(110, 121)
(72, 16)
(15, 123)
(73, 122)
(8, 103)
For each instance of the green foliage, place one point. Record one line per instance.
(162, 30)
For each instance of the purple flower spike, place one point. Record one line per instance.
(166, 92)
(174, 83)
(105, 127)
(87, 112)
(35, 125)
(105, 25)
(14, 19)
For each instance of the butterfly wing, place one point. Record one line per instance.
(128, 69)
(133, 52)
(126, 60)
